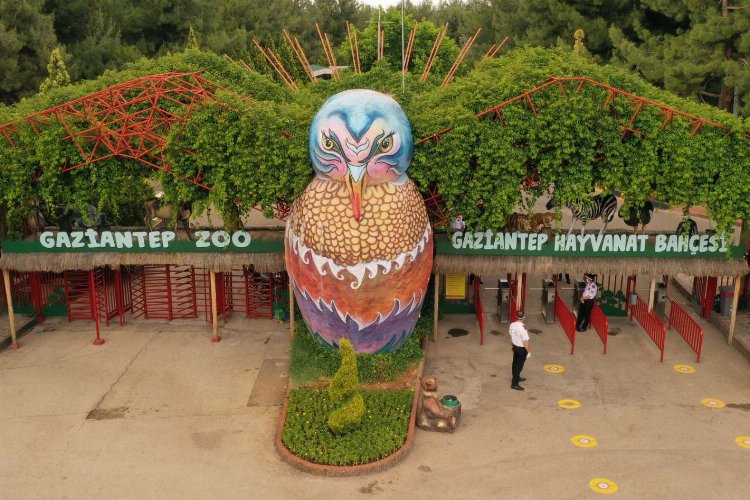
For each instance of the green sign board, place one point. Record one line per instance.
(490, 243)
(143, 242)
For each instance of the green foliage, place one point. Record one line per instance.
(383, 430)
(57, 73)
(27, 37)
(253, 152)
(345, 383)
(348, 416)
(427, 32)
(312, 361)
(192, 40)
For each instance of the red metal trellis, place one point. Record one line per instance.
(130, 120)
(640, 102)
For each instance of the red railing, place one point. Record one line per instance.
(478, 309)
(686, 327)
(567, 320)
(650, 323)
(601, 325)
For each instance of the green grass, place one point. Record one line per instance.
(312, 362)
(383, 430)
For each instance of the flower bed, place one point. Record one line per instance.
(384, 428)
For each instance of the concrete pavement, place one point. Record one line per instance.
(160, 412)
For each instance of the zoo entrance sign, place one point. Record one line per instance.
(143, 241)
(587, 245)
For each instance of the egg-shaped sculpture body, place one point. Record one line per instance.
(358, 241)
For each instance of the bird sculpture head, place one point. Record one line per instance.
(361, 138)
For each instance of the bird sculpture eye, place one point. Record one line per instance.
(386, 144)
(328, 144)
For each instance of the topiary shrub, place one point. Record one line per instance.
(344, 391)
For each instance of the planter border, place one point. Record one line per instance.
(348, 470)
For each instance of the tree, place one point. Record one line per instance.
(691, 47)
(192, 40)
(57, 72)
(100, 48)
(427, 32)
(27, 37)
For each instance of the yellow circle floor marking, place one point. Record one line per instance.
(554, 368)
(569, 404)
(603, 485)
(713, 403)
(684, 369)
(584, 441)
(743, 441)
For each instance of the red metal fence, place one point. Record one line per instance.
(567, 320)
(478, 309)
(651, 323)
(601, 324)
(686, 327)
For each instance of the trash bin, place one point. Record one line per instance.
(660, 299)
(503, 301)
(726, 297)
(548, 300)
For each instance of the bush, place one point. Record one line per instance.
(383, 430)
(344, 391)
(349, 417)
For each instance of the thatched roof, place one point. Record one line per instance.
(599, 265)
(219, 262)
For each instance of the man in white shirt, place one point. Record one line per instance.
(519, 339)
(587, 304)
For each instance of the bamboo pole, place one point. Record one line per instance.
(286, 74)
(735, 302)
(333, 58)
(465, 50)
(307, 61)
(299, 55)
(410, 47)
(355, 59)
(291, 310)
(356, 47)
(436, 307)
(433, 52)
(11, 313)
(214, 309)
(379, 39)
(651, 290)
(500, 47)
(279, 70)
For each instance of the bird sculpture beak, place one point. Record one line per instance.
(356, 182)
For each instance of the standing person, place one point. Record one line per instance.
(587, 303)
(519, 337)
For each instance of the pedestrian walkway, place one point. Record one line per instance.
(158, 411)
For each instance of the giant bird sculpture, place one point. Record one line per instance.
(358, 240)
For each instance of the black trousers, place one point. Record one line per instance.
(519, 358)
(584, 314)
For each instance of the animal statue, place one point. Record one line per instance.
(687, 227)
(590, 208)
(517, 222)
(637, 215)
(358, 244)
(433, 415)
(35, 222)
(176, 214)
(458, 225)
(70, 218)
(541, 221)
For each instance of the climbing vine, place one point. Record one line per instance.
(251, 147)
